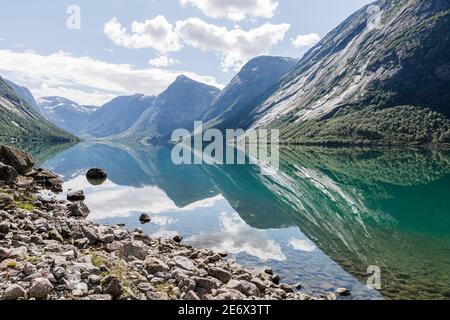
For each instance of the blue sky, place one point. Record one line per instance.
(208, 40)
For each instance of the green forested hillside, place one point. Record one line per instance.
(20, 121)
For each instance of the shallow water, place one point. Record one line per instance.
(322, 220)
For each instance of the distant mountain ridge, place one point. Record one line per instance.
(118, 115)
(182, 103)
(65, 113)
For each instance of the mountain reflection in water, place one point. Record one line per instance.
(325, 217)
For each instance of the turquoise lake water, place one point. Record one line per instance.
(322, 220)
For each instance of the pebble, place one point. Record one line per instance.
(40, 288)
(14, 292)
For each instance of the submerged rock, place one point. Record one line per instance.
(276, 279)
(343, 292)
(96, 174)
(145, 218)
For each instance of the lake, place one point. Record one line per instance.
(322, 220)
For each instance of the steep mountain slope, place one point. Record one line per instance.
(19, 120)
(368, 83)
(23, 93)
(117, 115)
(65, 113)
(178, 107)
(257, 76)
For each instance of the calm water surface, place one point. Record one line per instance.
(325, 218)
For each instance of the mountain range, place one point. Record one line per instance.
(183, 102)
(177, 107)
(364, 83)
(66, 114)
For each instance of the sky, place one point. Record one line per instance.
(93, 51)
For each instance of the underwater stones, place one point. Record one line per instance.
(144, 218)
(96, 176)
(343, 292)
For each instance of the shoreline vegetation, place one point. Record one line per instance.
(49, 250)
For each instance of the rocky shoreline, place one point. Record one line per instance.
(48, 250)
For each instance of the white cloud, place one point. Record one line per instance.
(305, 40)
(235, 237)
(163, 61)
(236, 46)
(84, 79)
(302, 245)
(105, 201)
(157, 33)
(235, 10)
